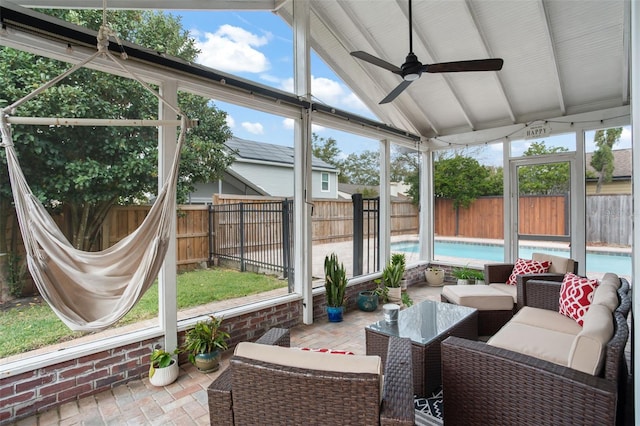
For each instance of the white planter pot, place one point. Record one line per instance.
(434, 277)
(462, 282)
(395, 295)
(165, 376)
(403, 284)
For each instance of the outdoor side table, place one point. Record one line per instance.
(427, 324)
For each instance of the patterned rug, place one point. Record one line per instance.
(429, 410)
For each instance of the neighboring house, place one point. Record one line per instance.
(621, 182)
(346, 190)
(265, 169)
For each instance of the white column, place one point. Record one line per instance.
(385, 203)
(167, 278)
(425, 215)
(302, 161)
(635, 137)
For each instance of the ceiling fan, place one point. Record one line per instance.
(412, 69)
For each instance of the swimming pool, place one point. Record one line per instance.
(597, 261)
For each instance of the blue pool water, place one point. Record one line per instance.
(597, 262)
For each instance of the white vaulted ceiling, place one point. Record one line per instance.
(561, 57)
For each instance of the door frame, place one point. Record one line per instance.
(576, 207)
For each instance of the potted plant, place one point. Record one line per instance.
(204, 343)
(163, 367)
(400, 259)
(463, 275)
(477, 276)
(391, 276)
(335, 285)
(368, 300)
(434, 276)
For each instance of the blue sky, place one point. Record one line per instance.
(258, 46)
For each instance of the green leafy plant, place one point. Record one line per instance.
(382, 291)
(476, 275)
(392, 274)
(16, 271)
(160, 359)
(335, 280)
(399, 259)
(406, 300)
(205, 337)
(463, 273)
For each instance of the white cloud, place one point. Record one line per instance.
(232, 49)
(254, 128)
(330, 92)
(288, 123)
(231, 122)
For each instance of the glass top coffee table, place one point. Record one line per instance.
(427, 324)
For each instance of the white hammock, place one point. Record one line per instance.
(91, 290)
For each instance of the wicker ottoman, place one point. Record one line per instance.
(495, 308)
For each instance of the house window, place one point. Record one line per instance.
(325, 182)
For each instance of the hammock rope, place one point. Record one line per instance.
(90, 291)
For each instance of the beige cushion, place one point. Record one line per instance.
(310, 360)
(546, 319)
(481, 297)
(612, 279)
(587, 352)
(606, 294)
(559, 265)
(541, 343)
(511, 290)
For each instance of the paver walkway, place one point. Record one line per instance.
(184, 402)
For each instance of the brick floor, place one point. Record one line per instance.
(184, 402)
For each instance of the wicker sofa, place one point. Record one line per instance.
(270, 385)
(485, 384)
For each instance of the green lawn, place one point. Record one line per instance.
(32, 324)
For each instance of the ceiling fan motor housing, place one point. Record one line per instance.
(412, 68)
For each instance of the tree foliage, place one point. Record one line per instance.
(602, 160)
(544, 179)
(462, 179)
(362, 168)
(327, 150)
(83, 171)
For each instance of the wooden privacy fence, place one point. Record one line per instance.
(538, 215)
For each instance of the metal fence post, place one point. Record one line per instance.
(358, 237)
(286, 244)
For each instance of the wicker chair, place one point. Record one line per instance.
(251, 392)
(499, 273)
(483, 384)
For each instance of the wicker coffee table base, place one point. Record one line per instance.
(427, 375)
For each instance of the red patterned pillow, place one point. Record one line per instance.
(329, 351)
(576, 294)
(526, 266)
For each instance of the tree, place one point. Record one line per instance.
(84, 171)
(327, 150)
(602, 159)
(460, 178)
(362, 168)
(544, 179)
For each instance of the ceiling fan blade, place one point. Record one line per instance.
(494, 64)
(376, 61)
(395, 92)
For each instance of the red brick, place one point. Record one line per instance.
(35, 405)
(76, 371)
(5, 415)
(106, 362)
(93, 376)
(124, 366)
(57, 387)
(108, 381)
(73, 393)
(34, 383)
(139, 353)
(17, 398)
